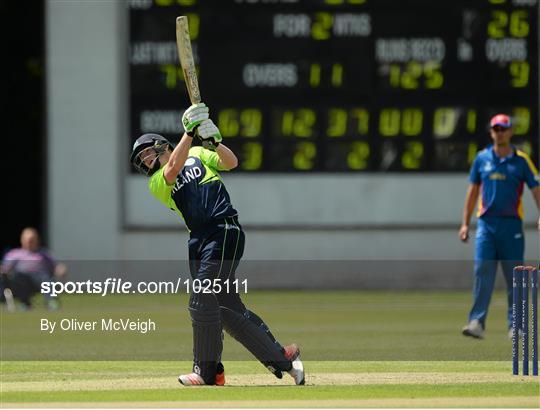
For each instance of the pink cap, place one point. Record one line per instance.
(501, 120)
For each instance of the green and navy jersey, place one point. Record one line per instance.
(198, 195)
(502, 181)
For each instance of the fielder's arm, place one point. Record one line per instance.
(470, 201)
(227, 159)
(177, 159)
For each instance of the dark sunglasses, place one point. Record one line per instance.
(499, 129)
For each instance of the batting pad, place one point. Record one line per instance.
(253, 334)
(207, 335)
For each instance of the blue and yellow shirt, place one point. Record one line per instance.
(502, 182)
(198, 195)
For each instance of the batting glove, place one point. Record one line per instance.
(209, 134)
(193, 116)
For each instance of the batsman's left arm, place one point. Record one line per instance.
(227, 158)
(211, 138)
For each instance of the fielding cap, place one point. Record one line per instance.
(501, 120)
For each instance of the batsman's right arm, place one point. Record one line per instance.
(227, 158)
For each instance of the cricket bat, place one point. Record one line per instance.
(186, 59)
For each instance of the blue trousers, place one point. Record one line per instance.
(497, 239)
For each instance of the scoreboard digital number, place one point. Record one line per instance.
(342, 85)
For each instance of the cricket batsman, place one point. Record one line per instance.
(186, 180)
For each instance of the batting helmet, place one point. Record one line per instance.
(159, 144)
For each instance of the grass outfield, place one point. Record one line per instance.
(361, 349)
(328, 384)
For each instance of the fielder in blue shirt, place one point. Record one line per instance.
(497, 176)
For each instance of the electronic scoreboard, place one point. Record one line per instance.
(342, 85)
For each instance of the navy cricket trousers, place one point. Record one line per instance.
(215, 254)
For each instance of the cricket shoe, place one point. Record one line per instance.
(192, 379)
(10, 301)
(473, 329)
(220, 375)
(292, 353)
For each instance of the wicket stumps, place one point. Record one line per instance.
(520, 317)
(534, 320)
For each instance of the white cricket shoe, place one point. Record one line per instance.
(192, 379)
(473, 329)
(292, 353)
(10, 301)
